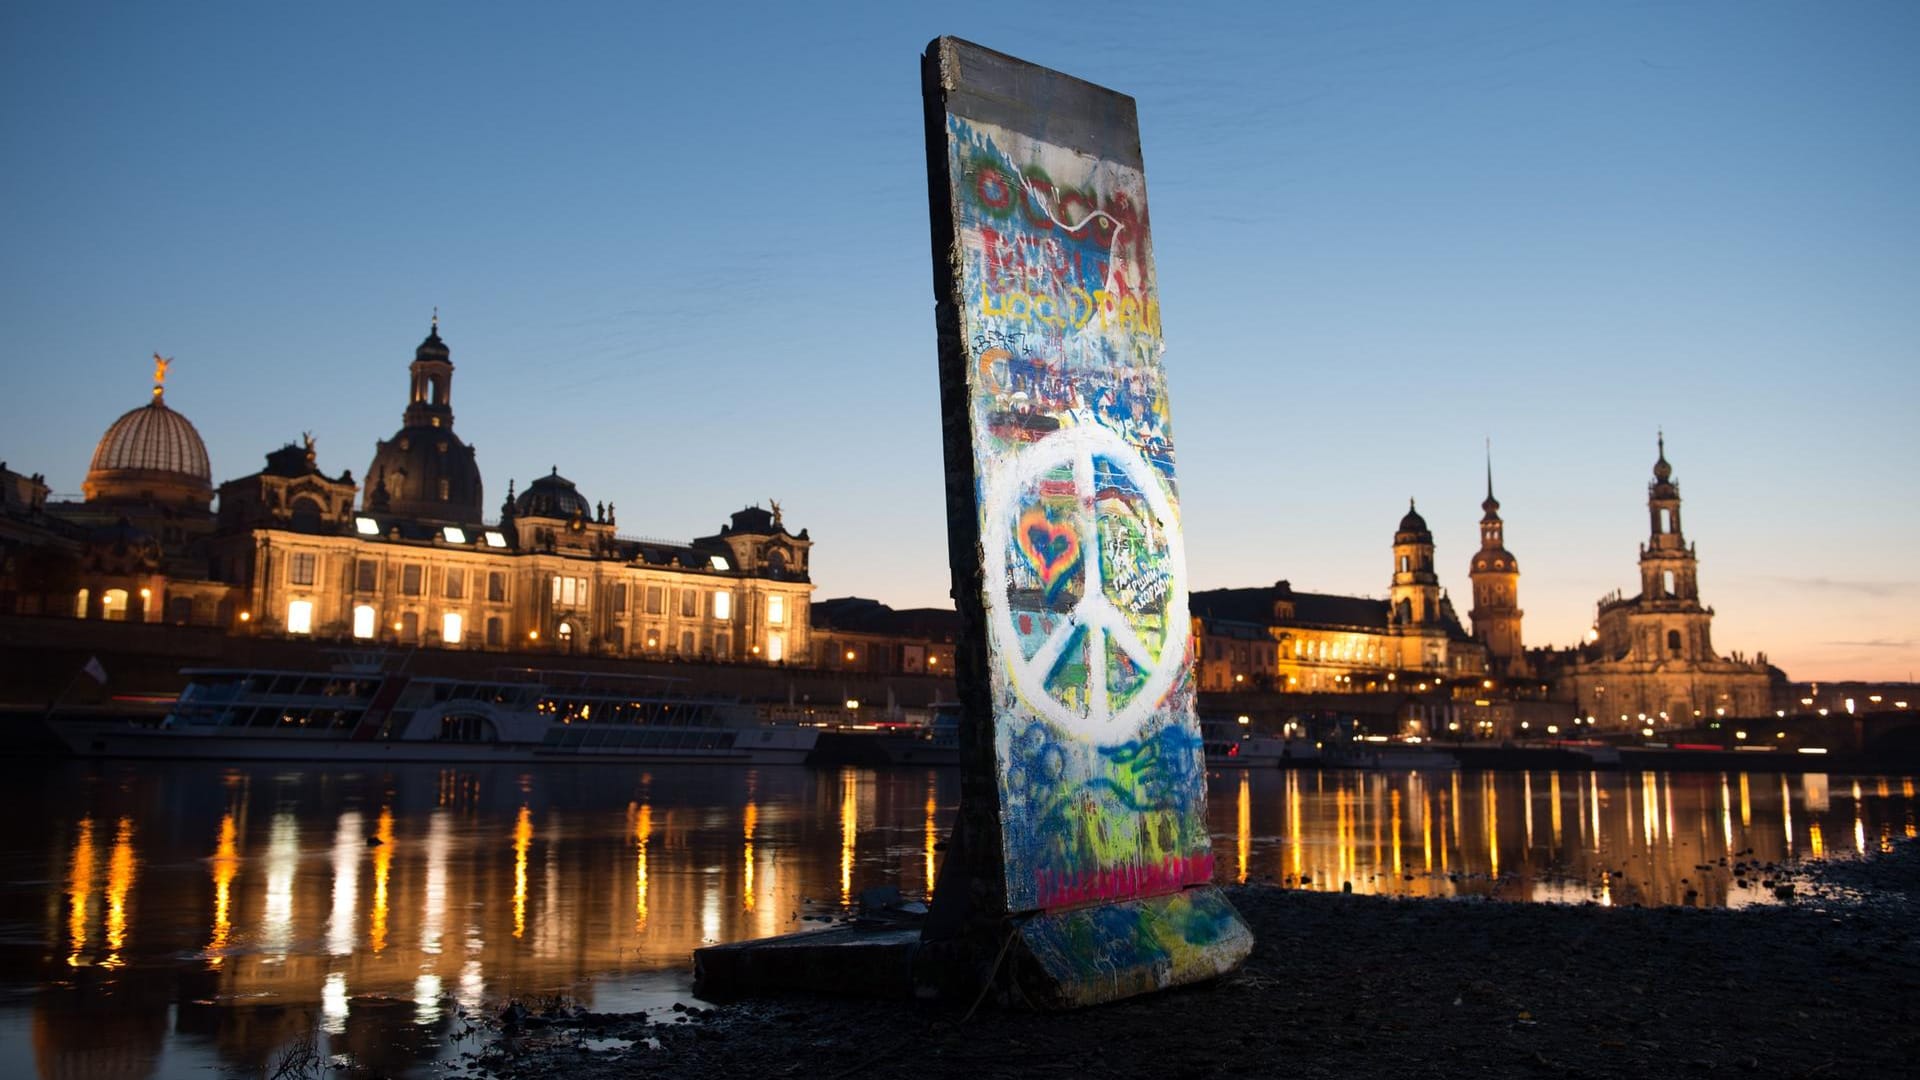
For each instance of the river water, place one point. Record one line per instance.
(178, 920)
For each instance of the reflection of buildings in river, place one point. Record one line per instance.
(1637, 837)
(319, 916)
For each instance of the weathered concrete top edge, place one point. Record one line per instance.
(980, 84)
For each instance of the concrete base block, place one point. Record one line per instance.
(848, 960)
(1071, 959)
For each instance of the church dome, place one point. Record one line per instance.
(1413, 522)
(425, 472)
(153, 437)
(552, 496)
(433, 348)
(151, 453)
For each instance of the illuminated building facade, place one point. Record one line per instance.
(288, 553)
(1649, 659)
(1279, 639)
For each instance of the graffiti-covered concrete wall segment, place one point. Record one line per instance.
(1080, 853)
(1084, 590)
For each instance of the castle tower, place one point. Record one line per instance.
(1414, 599)
(1496, 590)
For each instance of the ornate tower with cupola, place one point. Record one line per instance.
(1649, 660)
(1415, 597)
(425, 472)
(1495, 574)
(1667, 563)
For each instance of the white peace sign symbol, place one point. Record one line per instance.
(1077, 446)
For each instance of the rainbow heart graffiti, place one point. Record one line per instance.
(1052, 548)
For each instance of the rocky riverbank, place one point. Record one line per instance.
(1826, 984)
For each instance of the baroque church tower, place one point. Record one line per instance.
(1414, 599)
(425, 472)
(1669, 580)
(1496, 591)
(1418, 612)
(1649, 660)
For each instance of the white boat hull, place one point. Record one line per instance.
(119, 740)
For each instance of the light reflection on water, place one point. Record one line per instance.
(166, 919)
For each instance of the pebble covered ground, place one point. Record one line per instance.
(1824, 984)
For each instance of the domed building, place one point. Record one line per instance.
(290, 556)
(425, 472)
(148, 491)
(151, 455)
(551, 496)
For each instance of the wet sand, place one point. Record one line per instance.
(1824, 985)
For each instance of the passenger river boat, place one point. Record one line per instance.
(365, 712)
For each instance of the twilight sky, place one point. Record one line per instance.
(682, 254)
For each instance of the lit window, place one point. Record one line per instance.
(776, 647)
(80, 604)
(113, 605)
(495, 540)
(776, 609)
(300, 617)
(723, 605)
(454, 534)
(719, 562)
(366, 526)
(363, 621)
(450, 628)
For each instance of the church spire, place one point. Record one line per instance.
(1491, 505)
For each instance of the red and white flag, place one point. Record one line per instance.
(95, 670)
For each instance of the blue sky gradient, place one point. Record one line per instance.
(682, 255)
